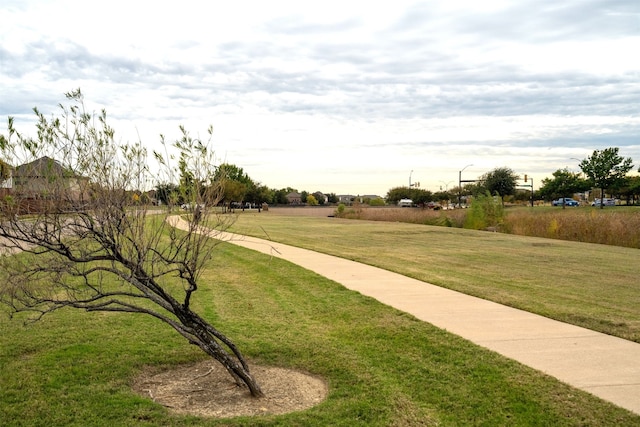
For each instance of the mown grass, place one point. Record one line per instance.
(590, 285)
(383, 367)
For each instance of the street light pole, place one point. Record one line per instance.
(460, 185)
(410, 178)
(446, 185)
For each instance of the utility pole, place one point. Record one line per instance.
(460, 185)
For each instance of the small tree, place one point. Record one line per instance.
(485, 212)
(320, 197)
(395, 194)
(421, 197)
(500, 182)
(90, 245)
(563, 184)
(605, 168)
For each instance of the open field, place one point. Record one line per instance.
(382, 366)
(590, 285)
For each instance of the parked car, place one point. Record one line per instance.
(607, 202)
(566, 201)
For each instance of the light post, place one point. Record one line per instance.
(446, 190)
(446, 185)
(460, 184)
(415, 184)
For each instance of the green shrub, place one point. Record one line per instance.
(485, 212)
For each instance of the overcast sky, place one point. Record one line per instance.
(349, 97)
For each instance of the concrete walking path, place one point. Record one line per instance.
(603, 365)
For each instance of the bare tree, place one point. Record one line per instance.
(89, 237)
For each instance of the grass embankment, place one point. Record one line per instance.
(594, 286)
(383, 367)
(618, 226)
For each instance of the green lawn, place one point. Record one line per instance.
(383, 367)
(591, 285)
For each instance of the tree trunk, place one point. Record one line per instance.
(208, 339)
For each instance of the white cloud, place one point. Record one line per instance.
(342, 96)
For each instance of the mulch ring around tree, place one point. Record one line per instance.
(206, 389)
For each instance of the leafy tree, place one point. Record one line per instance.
(332, 198)
(442, 196)
(606, 168)
(227, 171)
(319, 197)
(187, 180)
(417, 195)
(474, 189)
(86, 248)
(168, 193)
(631, 191)
(420, 196)
(563, 184)
(280, 196)
(394, 195)
(500, 182)
(311, 200)
(233, 191)
(258, 194)
(236, 183)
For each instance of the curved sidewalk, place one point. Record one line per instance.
(603, 365)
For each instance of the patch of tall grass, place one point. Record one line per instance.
(447, 218)
(616, 226)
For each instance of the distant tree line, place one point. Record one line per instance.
(239, 189)
(605, 171)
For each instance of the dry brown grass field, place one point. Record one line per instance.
(618, 226)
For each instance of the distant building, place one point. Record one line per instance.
(44, 182)
(6, 178)
(294, 198)
(46, 178)
(347, 199)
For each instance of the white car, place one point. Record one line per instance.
(607, 202)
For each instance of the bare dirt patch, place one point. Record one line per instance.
(206, 389)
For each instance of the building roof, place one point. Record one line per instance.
(44, 166)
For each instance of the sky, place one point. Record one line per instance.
(346, 97)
